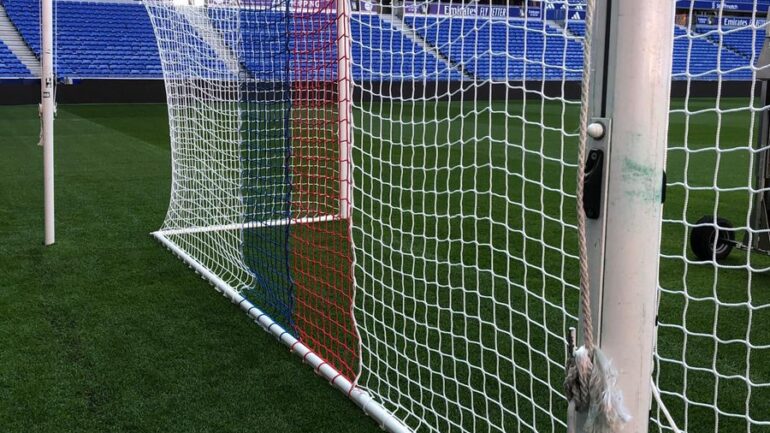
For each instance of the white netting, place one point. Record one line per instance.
(257, 172)
(465, 128)
(464, 216)
(464, 155)
(713, 352)
(203, 95)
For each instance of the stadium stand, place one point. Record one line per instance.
(94, 40)
(10, 66)
(125, 47)
(311, 37)
(702, 52)
(115, 40)
(577, 28)
(378, 60)
(705, 57)
(740, 39)
(504, 49)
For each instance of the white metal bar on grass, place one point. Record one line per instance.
(251, 225)
(381, 415)
(47, 107)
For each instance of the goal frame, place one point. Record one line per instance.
(336, 379)
(624, 238)
(629, 66)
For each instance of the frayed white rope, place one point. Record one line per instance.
(591, 388)
(606, 412)
(590, 382)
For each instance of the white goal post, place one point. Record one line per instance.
(47, 112)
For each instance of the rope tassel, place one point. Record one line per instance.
(591, 386)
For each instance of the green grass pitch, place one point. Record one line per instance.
(107, 331)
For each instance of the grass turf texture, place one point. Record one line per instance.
(108, 331)
(473, 246)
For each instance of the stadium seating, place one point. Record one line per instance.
(577, 28)
(115, 40)
(699, 53)
(739, 39)
(10, 66)
(698, 57)
(385, 53)
(504, 49)
(382, 53)
(94, 40)
(125, 44)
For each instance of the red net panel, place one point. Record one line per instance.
(320, 243)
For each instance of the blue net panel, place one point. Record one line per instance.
(266, 149)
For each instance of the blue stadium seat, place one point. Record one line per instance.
(123, 28)
(698, 57)
(10, 65)
(503, 50)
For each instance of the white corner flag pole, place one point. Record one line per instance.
(47, 102)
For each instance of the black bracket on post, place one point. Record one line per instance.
(596, 160)
(592, 192)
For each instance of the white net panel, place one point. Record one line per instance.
(464, 215)
(203, 95)
(713, 347)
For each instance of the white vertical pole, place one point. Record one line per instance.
(636, 101)
(344, 100)
(47, 112)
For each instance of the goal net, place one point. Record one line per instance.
(259, 171)
(464, 216)
(390, 190)
(433, 262)
(714, 304)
